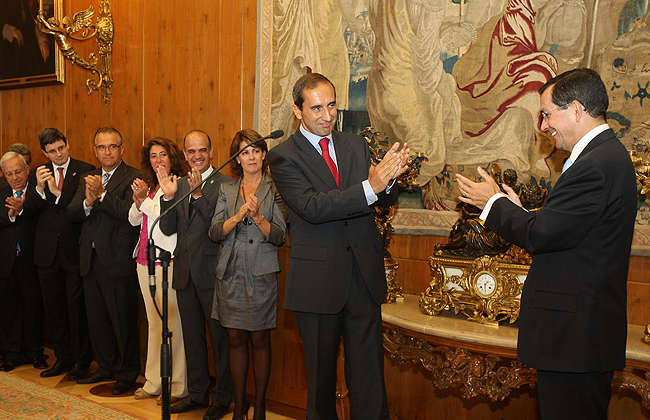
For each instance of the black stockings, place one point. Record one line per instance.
(261, 342)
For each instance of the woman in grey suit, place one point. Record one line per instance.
(249, 224)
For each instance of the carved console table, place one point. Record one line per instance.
(481, 360)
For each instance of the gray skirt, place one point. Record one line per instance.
(242, 300)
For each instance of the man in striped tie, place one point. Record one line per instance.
(106, 244)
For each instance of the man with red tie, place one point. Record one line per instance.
(56, 255)
(336, 282)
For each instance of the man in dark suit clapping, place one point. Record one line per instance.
(21, 304)
(573, 323)
(336, 282)
(56, 254)
(102, 203)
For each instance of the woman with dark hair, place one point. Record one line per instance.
(249, 223)
(163, 156)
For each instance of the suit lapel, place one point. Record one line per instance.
(313, 159)
(231, 190)
(73, 167)
(343, 159)
(116, 178)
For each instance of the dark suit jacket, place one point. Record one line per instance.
(53, 226)
(262, 252)
(573, 306)
(329, 227)
(195, 253)
(108, 225)
(21, 230)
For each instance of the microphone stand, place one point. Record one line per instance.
(165, 258)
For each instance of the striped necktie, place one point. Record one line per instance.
(60, 184)
(105, 179)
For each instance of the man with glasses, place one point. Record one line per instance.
(102, 203)
(56, 254)
(573, 324)
(21, 306)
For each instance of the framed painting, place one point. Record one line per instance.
(28, 57)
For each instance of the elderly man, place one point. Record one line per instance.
(21, 307)
(573, 324)
(56, 254)
(102, 204)
(194, 260)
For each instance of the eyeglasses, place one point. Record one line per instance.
(546, 114)
(111, 147)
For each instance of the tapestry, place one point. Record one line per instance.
(458, 79)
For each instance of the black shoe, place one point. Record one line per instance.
(186, 404)
(216, 411)
(121, 387)
(9, 365)
(78, 371)
(95, 377)
(57, 369)
(39, 362)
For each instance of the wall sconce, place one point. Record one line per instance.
(82, 28)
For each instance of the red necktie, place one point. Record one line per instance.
(60, 185)
(328, 159)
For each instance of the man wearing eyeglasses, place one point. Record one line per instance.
(573, 325)
(106, 244)
(21, 307)
(56, 255)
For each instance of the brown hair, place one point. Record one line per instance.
(249, 136)
(179, 165)
(308, 81)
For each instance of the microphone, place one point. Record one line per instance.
(151, 262)
(275, 135)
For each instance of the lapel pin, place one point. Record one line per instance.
(74, 174)
(212, 181)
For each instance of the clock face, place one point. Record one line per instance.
(486, 285)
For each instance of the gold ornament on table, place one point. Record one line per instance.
(478, 273)
(81, 28)
(379, 146)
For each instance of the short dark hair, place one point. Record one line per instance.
(248, 136)
(582, 85)
(49, 136)
(201, 132)
(179, 165)
(109, 130)
(308, 81)
(22, 150)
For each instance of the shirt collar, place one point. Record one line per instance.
(64, 166)
(207, 173)
(111, 172)
(313, 138)
(585, 140)
(24, 190)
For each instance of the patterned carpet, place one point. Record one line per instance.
(21, 399)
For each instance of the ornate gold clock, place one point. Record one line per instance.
(484, 289)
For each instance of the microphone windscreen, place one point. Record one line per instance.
(277, 134)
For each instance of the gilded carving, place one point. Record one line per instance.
(475, 374)
(81, 28)
(379, 145)
(629, 379)
(487, 290)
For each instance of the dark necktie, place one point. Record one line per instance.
(323, 143)
(19, 194)
(60, 184)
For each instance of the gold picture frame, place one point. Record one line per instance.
(22, 60)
